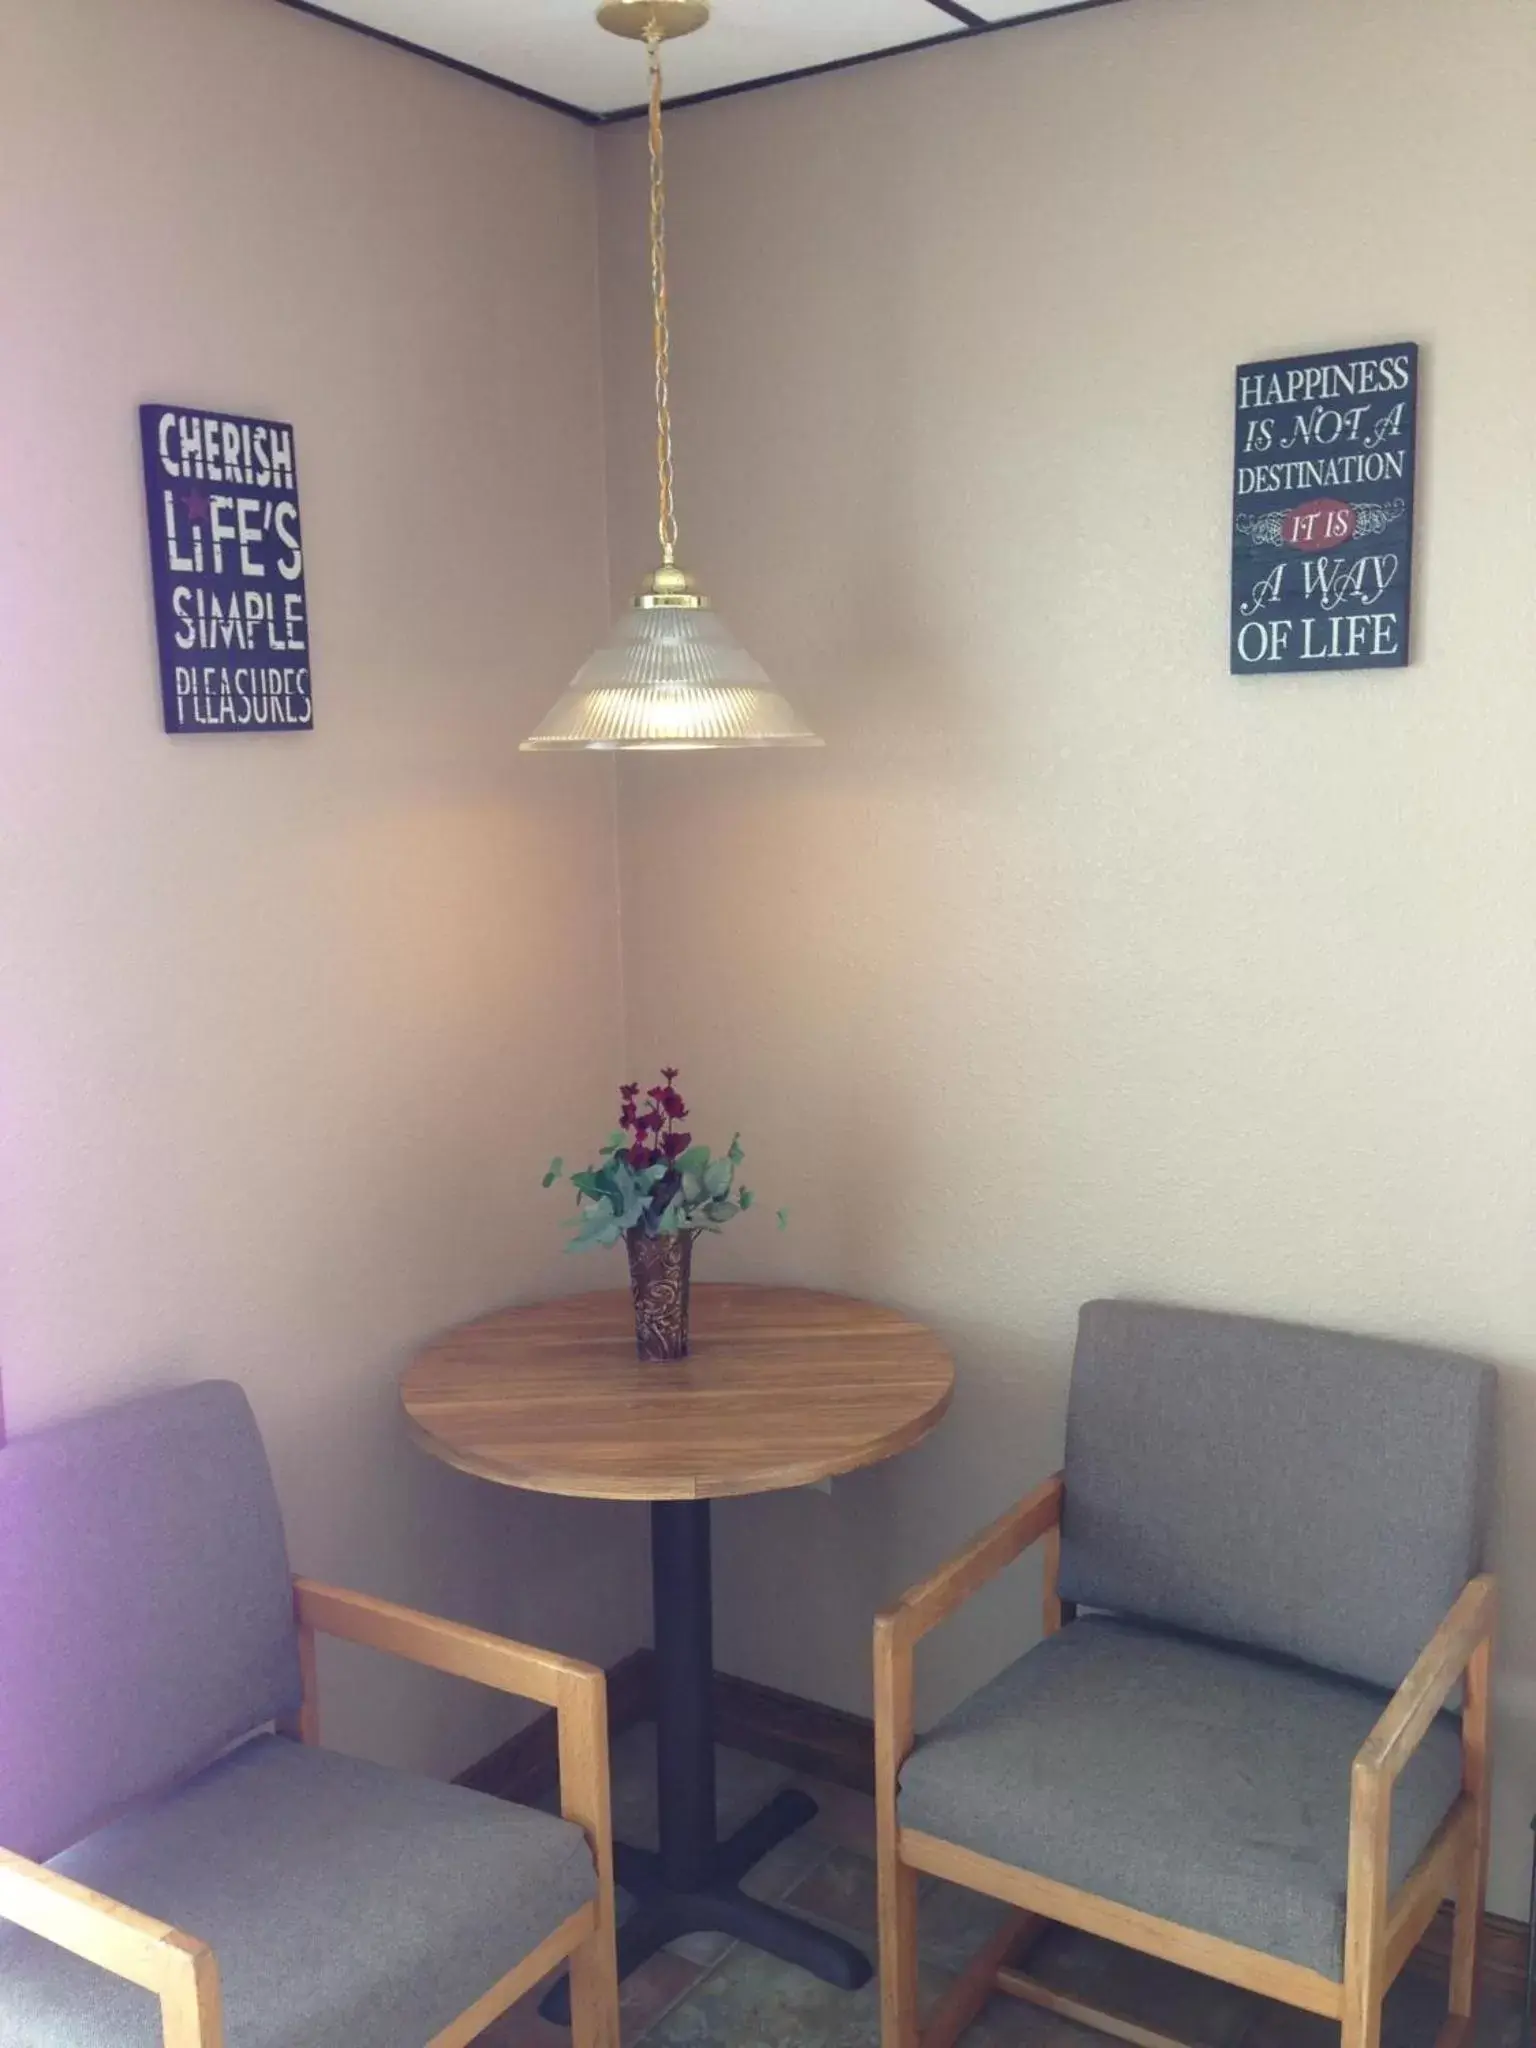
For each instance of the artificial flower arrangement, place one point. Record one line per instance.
(653, 1178)
(656, 1189)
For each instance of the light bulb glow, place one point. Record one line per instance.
(671, 679)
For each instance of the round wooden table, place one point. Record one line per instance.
(783, 1387)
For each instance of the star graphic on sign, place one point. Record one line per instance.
(196, 504)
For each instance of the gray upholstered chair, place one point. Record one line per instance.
(1254, 1738)
(180, 1862)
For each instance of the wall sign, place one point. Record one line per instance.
(1322, 543)
(228, 559)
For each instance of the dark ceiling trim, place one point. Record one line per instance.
(382, 35)
(939, 42)
(970, 25)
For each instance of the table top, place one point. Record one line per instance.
(782, 1387)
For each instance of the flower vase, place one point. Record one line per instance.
(660, 1272)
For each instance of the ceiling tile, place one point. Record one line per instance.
(1015, 10)
(556, 47)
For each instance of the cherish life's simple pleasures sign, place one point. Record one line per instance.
(227, 551)
(1323, 501)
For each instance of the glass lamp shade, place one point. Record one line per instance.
(670, 678)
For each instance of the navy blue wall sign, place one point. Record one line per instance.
(228, 559)
(1322, 541)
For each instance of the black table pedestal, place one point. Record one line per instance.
(692, 1883)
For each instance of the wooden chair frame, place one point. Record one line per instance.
(1381, 1930)
(182, 1971)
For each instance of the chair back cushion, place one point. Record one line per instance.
(1299, 1490)
(146, 1612)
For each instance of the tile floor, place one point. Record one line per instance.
(707, 1992)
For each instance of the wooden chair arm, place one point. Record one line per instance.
(449, 1646)
(1411, 1711)
(176, 1967)
(924, 1606)
(578, 1692)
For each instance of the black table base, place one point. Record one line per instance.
(692, 1883)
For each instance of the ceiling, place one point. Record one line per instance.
(553, 51)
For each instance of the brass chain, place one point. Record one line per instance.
(667, 525)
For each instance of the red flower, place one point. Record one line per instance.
(673, 1103)
(674, 1143)
(637, 1154)
(669, 1075)
(629, 1090)
(651, 1121)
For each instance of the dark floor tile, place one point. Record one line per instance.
(1011, 2023)
(742, 1785)
(650, 1992)
(645, 1995)
(754, 2001)
(787, 1867)
(952, 1923)
(844, 1819)
(1200, 2010)
(522, 2028)
(843, 1891)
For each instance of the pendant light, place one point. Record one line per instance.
(671, 676)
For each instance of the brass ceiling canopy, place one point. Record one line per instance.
(665, 19)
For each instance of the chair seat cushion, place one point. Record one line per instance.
(1204, 1785)
(346, 1904)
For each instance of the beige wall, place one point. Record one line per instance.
(1074, 965)
(289, 1025)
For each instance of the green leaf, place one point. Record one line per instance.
(596, 1229)
(616, 1141)
(718, 1176)
(720, 1212)
(556, 1168)
(736, 1155)
(670, 1221)
(783, 1219)
(745, 1198)
(589, 1183)
(694, 1160)
(693, 1188)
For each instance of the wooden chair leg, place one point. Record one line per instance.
(584, 1799)
(1466, 1938)
(899, 1996)
(898, 1881)
(595, 1992)
(1365, 1925)
(191, 2006)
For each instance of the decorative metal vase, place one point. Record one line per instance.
(660, 1271)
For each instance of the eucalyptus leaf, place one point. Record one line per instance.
(556, 1168)
(718, 1176)
(720, 1212)
(693, 1187)
(783, 1219)
(745, 1198)
(694, 1160)
(736, 1155)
